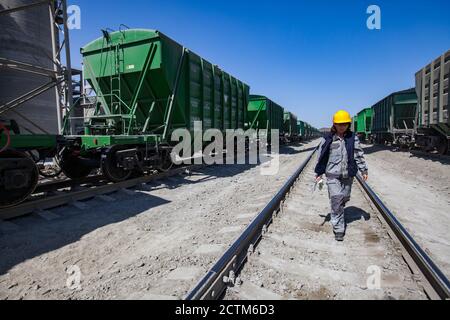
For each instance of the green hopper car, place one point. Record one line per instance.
(354, 125)
(393, 118)
(290, 126)
(264, 114)
(364, 123)
(147, 85)
(301, 129)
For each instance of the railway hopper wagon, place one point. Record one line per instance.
(393, 118)
(432, 118)
(301, 130)
(316, 133)
(264, 114)
(354, 125)
(147, 85)
(363, 124)
(309, 133)
(290, 127)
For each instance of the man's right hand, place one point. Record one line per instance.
(318, 178)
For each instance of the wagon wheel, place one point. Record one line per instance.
(110, 166)
(166, 161)
(442, 147)
(72, 166)
(19, 177)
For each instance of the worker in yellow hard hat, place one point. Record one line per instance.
(340, 159)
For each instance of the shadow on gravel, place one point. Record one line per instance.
(352, 214)
(218, 171)
(204, 175)
(369, 149)
(443, 159)
(36, 236)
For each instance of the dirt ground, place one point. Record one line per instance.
(143, 244)
(299, 258)
(417, 189)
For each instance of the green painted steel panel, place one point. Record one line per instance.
(307, 130)
(142, 66)
(290, 124)
(364, 121)
(24, 141)
(396, 111)
(301, 128)
(355, 123)
(89, 142)
(263, 113)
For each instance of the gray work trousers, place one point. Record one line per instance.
(339, 190)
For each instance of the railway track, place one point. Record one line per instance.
(52, 185)
(168, 252)
(50, 194)
(297, 257)
(150, 244)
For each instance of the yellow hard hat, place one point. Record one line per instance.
(342, 117)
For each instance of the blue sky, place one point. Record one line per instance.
(312, 57)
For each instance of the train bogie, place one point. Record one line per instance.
(20, 156)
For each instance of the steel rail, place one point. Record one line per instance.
(55, 185)
(216, 280)
(73, 196)
(435, 277)
(214, 283)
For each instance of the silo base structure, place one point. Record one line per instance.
(32, 82)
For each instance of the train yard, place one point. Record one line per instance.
(158, 241)
(150, 243)
(419, 197)
(297, 260)
(95, 202)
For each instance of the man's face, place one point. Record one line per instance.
(341, 128)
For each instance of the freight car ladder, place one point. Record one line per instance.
(115, 84)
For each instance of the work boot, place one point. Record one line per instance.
(339, 236)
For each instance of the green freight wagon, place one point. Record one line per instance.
(264, 114)
(301, 129)
(308, 131)
(147, 85)
(364, 123)
(354, 126)
(19, 156)
(290, 126)
(393, 118)
(432, 117)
